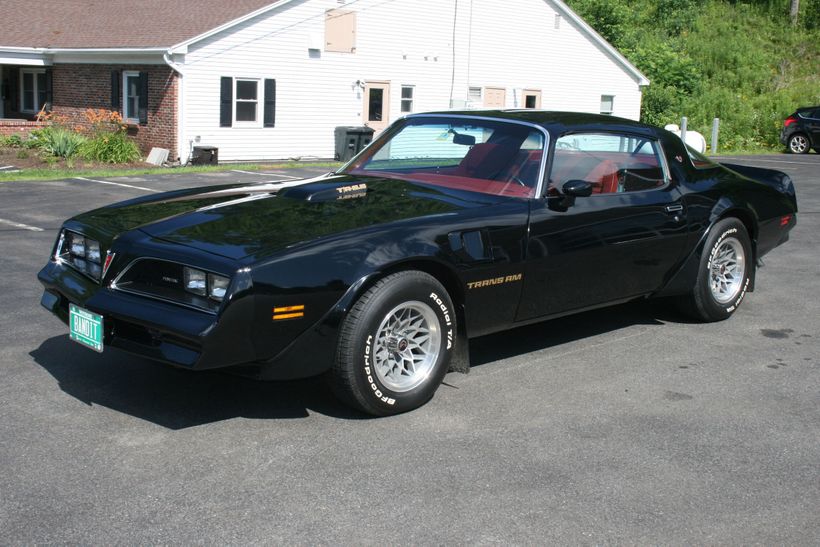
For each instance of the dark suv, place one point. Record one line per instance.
(801, 130)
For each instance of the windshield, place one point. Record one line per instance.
(491, 157)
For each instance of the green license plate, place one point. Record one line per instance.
(85, 327)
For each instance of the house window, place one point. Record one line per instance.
(246, 108)
(131, 88)
(532, 98)
(32, 90)
(407, 98)
(607, 104)
(247, 102)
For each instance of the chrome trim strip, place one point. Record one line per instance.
(113, 285)
(166, 300)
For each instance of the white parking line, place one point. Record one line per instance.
(21, 226)
(263, 174)
(117, 184)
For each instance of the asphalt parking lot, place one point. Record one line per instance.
(627, 425)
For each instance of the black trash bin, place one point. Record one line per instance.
(351, 140)
(205, 155)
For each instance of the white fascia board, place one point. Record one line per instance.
(25, 56)
(135, 56)
(567, 12)
(182, 47)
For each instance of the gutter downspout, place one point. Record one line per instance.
(176, 67)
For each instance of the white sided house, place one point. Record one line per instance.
(275, 82)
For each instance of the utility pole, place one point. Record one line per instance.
(795, 8)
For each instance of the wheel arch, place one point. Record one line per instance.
(686, 275)
(444, 274)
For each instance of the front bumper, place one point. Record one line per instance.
(161, 331)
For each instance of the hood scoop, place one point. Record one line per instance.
(322, 192)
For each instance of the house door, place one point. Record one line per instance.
(376, 112)
(495, 97)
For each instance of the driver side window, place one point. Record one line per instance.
(610, 162)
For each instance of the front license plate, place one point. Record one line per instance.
(85, 327)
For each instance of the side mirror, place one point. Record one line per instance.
(577, 188)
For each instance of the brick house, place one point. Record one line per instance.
(263, 79)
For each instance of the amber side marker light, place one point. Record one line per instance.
(288, 312)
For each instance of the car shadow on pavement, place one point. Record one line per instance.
(556, 332)
(179, 399)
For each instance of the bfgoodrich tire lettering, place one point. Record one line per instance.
(724, 273)
(395, 345)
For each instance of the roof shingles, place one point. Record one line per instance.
(115, 23)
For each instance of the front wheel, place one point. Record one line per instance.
(798, 144)
(724, 273)
(395, 345)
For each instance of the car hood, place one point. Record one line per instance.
(242, 220)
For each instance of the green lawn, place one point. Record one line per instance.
(46, 173)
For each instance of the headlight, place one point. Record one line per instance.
(205, 284)
(195, 280)
(81, 253)
(217, 286)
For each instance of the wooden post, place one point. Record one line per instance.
(794, 9)
(715, 127)
(683, 122)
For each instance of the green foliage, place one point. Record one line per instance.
(11, 141)
(22, 155)
(60, 142)
(107, 147)
(738, 60)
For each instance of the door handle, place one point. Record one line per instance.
(677, 208)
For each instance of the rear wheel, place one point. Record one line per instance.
(724, 273)
(395, 345)
(798, 144)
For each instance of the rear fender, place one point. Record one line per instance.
(684, 279)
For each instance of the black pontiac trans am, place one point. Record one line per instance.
(449, 226)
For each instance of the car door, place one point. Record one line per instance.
(621, 241)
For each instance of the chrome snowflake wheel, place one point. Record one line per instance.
(728, 270)
(407, 345)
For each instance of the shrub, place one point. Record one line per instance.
(22, 155)
(110, 148)
(61, 142)
(12, 141)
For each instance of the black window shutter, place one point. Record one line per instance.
(226, 102)
(49, 90)
(269, 117)
(115, 90)
(14, 89)
(143, 98)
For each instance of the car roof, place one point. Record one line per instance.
(554, 121)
